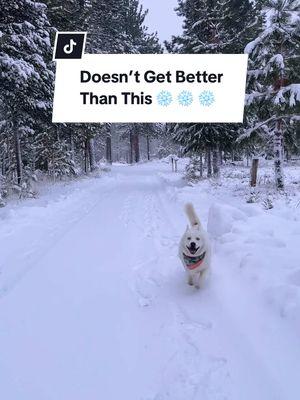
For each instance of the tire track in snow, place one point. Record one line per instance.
(31, 258)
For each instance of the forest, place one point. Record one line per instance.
(32, 146)
(96, 296)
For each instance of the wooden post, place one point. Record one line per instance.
(254, 170)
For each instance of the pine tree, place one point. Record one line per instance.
(200, 138)
(73, 15)
(219, 26)
(118, 26)
(69, 15)
(26, 77)
(205, 29)
(135, 30)
(274, 95)
(28, 139)
(215, 26)
(194, 169)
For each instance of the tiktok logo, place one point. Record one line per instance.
(68, 49)
(69, 45)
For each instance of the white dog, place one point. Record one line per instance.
(195, 250)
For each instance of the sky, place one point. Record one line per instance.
(162, 18)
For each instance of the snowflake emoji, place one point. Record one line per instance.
(207, 98)
(185, 98)
(164, 98)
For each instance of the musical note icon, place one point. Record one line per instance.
(69, 45)
(68, 49)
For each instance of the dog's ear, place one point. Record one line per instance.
(187, 229)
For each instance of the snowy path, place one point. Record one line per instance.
(103, 311)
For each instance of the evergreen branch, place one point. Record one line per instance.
(265, 123)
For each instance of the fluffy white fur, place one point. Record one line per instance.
(195, 243)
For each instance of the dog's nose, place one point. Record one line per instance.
(193, 245)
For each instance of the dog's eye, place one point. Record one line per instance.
(198, 239)
(189, 238)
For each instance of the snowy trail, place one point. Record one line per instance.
(105, 312)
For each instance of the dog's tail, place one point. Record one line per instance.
(191, 214)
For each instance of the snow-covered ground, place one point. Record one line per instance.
(94, 303)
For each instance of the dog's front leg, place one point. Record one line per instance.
(200, 278)
(197, 280)
(190, 279)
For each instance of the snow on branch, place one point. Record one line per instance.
(264, 124)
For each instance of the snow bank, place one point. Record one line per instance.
(262, 244)
(221, 218)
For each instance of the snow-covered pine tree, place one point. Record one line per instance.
(135, 31)
(72, 15)
(205, 27)
(215, 26)
(194, 169)
(118, 27)
(274, 89)
(69, 15)
(26, 76)
(208, 138)
(245, 23)
(219, 26)
(105, 27)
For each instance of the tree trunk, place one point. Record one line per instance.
(148, 147)
(131, 147)
(220, 157)
(216, 167)
(108, 149)
(18, 157)
(86, 157)
(278, 139)
(92, 157)
(287, 155)
(254, 170)
(208, 160)
(136, 145)
(72, 146)
(201, 164)
(109, 154)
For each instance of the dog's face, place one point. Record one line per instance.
(193, 242)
